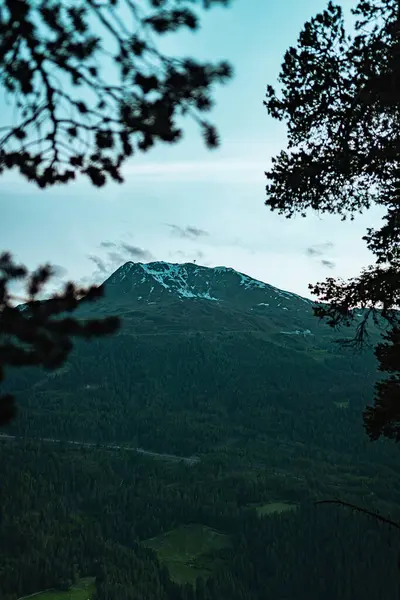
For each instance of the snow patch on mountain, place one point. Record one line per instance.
(250, 283)
(124, 271)
(189, 294)
(298, 332)
(174, 277)
(290, 295)
(189, 280)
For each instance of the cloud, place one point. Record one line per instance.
(319, 249)
(117, 255)
(100, 264)
(108, 245)
(313, 251)
(59, 271)
(196, 232)
(136, 252)
(192, 257)
(126, 252)
(329, 264)
(116, 258)
(188, 232)
(227, 169)
(104, 268)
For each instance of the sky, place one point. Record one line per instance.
(184, 203)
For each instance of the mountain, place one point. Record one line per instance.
(204, 357)
(159, 298)
(154, 282)
(197, 298)
(231, 390)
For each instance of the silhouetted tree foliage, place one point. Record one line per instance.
(35, 333)
(90, 86)
(340, 99)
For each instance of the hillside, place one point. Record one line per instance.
(205, 357)
(199, 436)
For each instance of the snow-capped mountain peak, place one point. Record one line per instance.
(171, 277)
(155, 281)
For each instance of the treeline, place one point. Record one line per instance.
(69, 513)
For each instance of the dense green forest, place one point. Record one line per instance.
(76, 512)
(244, 429)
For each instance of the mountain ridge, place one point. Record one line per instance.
(187, 293)
(189, 280)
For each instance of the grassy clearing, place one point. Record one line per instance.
(83, 590)
(189, 551)
(274, 507)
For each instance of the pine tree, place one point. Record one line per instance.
(340, 99)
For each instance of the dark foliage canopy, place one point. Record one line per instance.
(90, 88)
(340, 99)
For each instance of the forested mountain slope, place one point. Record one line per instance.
(204, 356)
(213, 364)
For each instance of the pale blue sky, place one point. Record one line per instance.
(219, 192)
